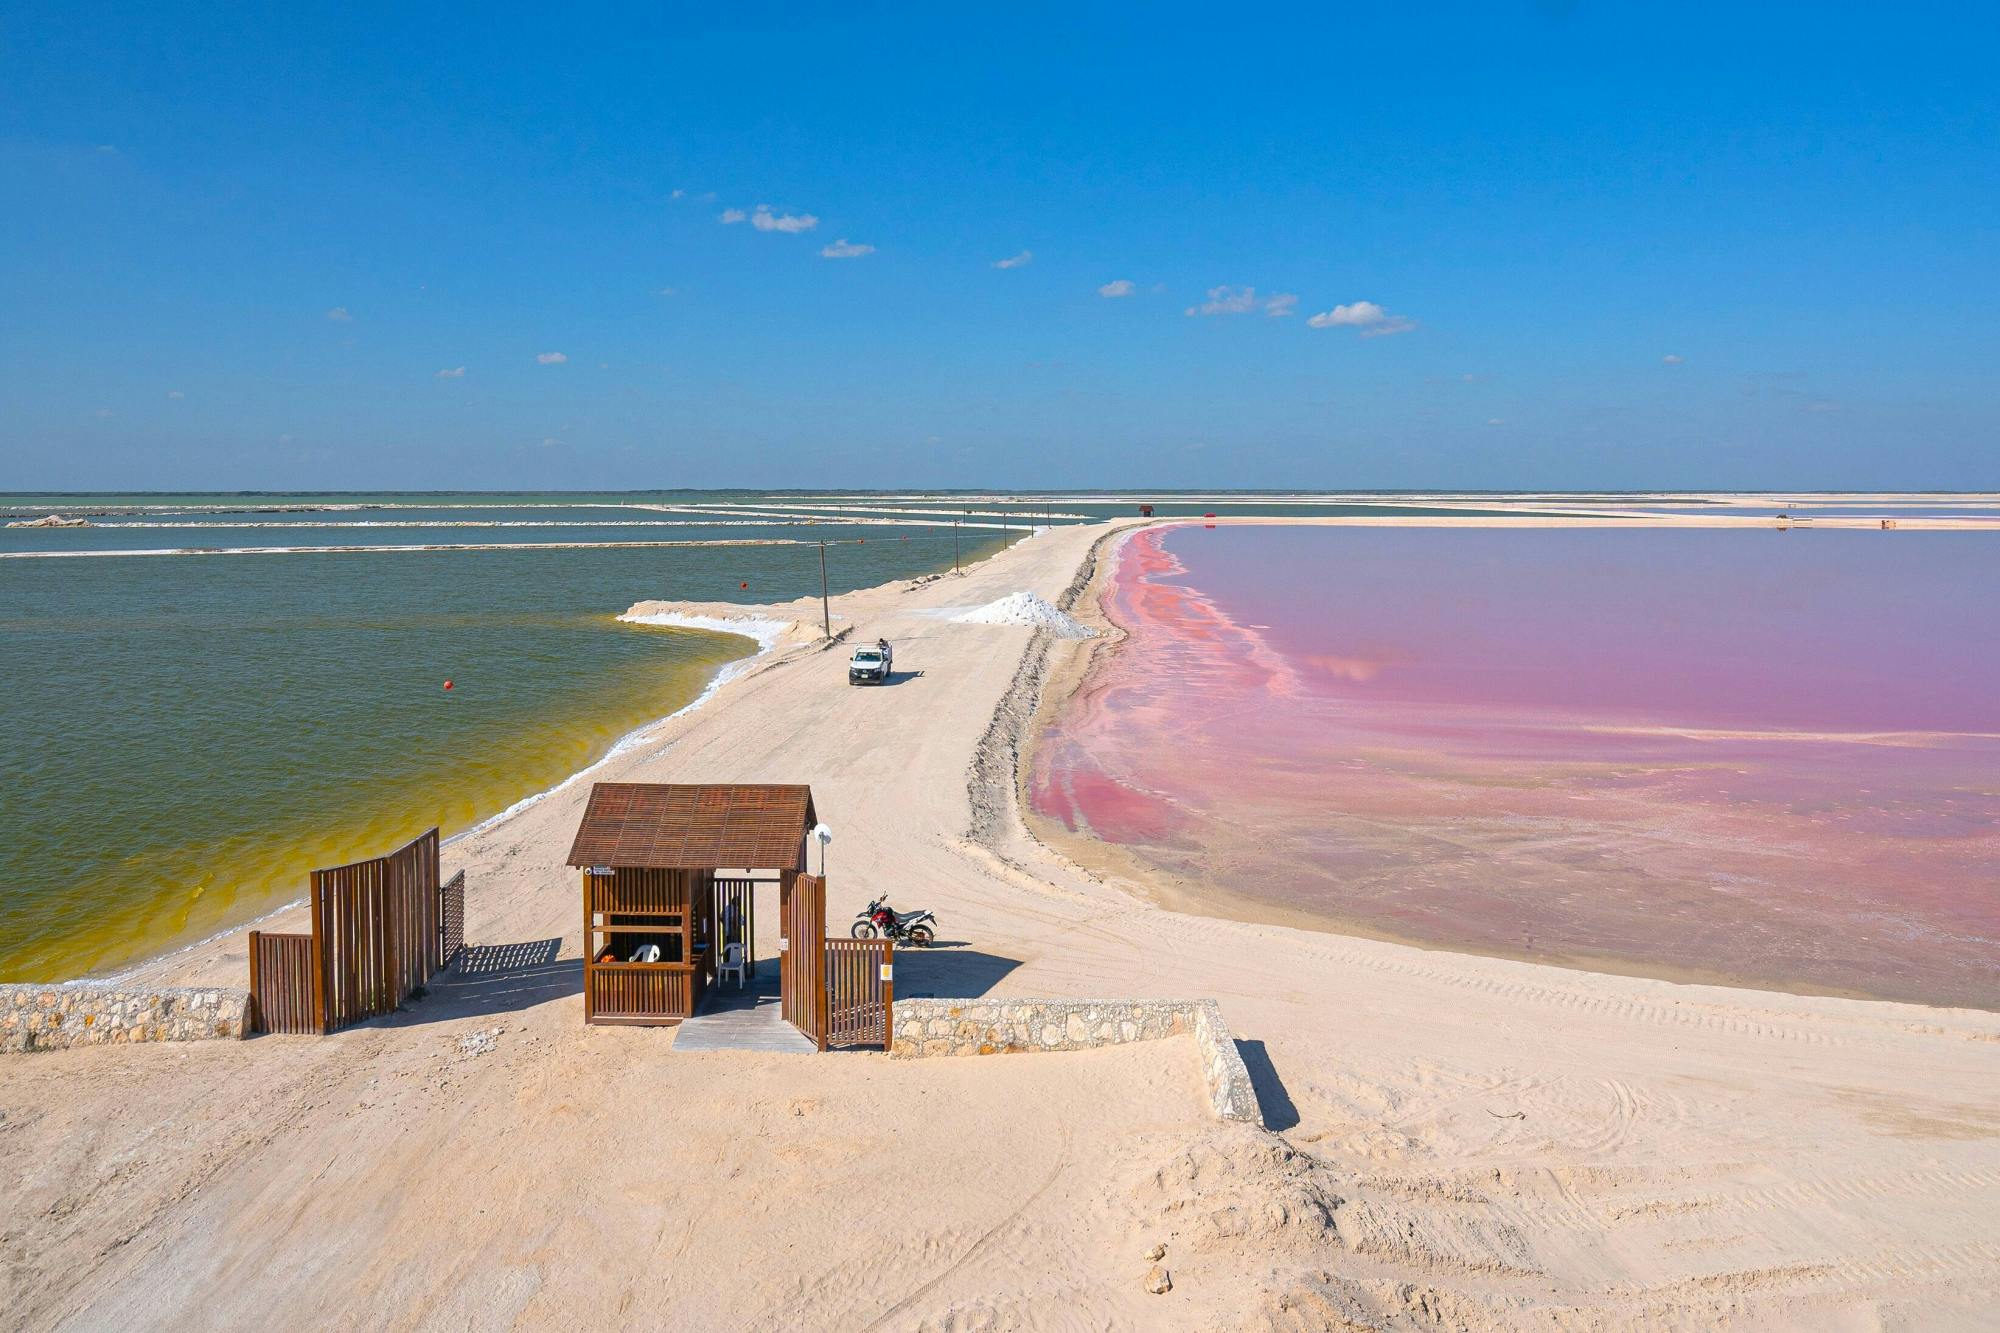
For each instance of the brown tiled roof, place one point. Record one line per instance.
(689, 827)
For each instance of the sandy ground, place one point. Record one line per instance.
(1453, 1141)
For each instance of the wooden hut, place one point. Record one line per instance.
(672, 867)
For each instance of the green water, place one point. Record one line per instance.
(183, 738)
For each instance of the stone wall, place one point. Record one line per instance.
(1009, 1026)
(46, 1018)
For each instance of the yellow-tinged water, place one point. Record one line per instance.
(236, 862)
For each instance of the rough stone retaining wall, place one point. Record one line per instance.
(1003, 1027)
(47, 1018)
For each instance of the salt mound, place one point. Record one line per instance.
(1024, 608)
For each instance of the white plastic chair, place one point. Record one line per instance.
(732, 961)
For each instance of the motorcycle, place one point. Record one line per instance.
(878, 919)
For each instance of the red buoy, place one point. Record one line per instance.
(447, 684)
(742, 585)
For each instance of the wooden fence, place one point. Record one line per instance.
(281, 983)
(860, 990)
(380, 929)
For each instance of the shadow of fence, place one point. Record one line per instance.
(500, 979)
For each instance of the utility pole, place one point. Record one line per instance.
(825, 615)
(954, 546)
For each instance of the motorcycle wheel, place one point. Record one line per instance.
(863, 930)
(921, 936)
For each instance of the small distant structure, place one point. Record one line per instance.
(1145, 511)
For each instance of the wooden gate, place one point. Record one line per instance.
(380, 929)
(860, 989)
(802, 957)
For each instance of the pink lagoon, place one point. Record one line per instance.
(1751, 756)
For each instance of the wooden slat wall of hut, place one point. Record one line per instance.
(644, 990)
(859, 992)
(803, 985)
(635, 889)
(281, 983)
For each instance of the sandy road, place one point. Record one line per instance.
(1466, 1141)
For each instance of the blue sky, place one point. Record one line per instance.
(1497, 245)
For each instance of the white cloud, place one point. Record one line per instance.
(1365, 317)
(1021, 260)
(1122, 287)
(665, 291)
(1495, 421)
(455, 373)
(1358, 315)
(677, 194)
(175, 393)
(551, 442)
(550, 358)
(1227, 301)
(845, 249)
(765, 220)
(1672, 359)
(105, 414)
(730, 215)
(339, 315)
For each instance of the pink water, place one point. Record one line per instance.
(1756, 756)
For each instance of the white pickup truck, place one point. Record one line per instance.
(871, 664)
